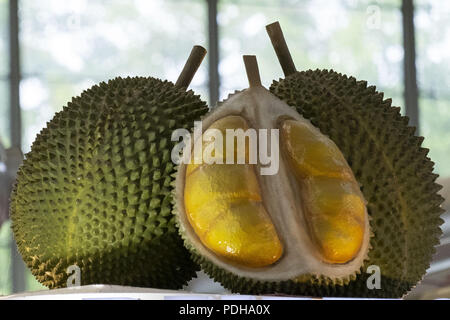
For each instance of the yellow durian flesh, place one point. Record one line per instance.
(333, 204)
(223, 204)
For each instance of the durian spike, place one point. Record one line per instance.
(251, 67)
(190, 68)
(279, 44)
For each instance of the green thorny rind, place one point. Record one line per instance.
(95, 190)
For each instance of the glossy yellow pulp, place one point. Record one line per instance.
(335, 210)
(224, 206)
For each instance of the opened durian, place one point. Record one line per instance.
(95, 190)
(284, 228)
(352, 211)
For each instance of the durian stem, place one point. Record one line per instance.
(279, 44)
(251, 67)
(190, 68)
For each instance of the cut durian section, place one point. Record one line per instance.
(308, 219)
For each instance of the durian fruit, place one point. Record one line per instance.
(95, 190)
(295, 225)
(395, 174)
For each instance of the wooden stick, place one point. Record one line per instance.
(281, 48)
(251, 67)
(190, 68)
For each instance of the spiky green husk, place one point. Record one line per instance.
(395, 174)
(95, 190)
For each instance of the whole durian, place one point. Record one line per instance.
(291, 228)
(95, 189)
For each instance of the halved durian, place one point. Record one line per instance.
(280, 232)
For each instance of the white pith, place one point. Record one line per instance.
(281, 198)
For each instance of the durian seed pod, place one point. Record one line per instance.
(292, 227)
(395, 174)
(95, 189)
